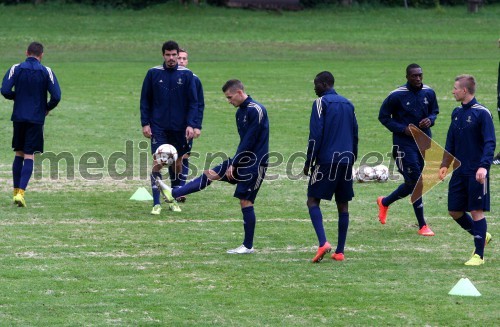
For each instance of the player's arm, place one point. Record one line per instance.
(385, 117)
(316, 125)
(488, 134)
(433, 111)
(192, 108)
(448, 153)
(355, 135)
(54, 91)
(201, 107)
(8, 84)
(145, 105)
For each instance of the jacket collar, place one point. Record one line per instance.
(470, 104)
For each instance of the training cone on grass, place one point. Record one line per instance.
(141, 195)
(464, 287)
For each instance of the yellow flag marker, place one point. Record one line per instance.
(433, 155)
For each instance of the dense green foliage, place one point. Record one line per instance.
(140, 4)
(83, 254)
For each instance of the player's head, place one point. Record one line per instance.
(182, 58)
(414, 75)
(464, 87)
(323, 82)
(170, 51)
(35, 49)
(234, 92)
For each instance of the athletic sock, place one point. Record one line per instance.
(317, 221)
(480, 228)
(402, 191)
(466, 223)
(26, 173)
(418, 208)
(195, 185)
(248, 225)
(154, 188)
(343, 226)
(17, 167)
(185, 171)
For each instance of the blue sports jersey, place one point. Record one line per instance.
(407, 105)
(471, 137)
(27, 84)
(169, 100)
(253, 128)
(333, 136)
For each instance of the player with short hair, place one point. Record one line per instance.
(246, 168)
(169, 111)
(27, 84)
(413, 103)
(331, 152)
(183, 61)
(471, 139)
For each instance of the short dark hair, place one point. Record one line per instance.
(325, 77)
(35, 49)
(468, 82)
(233, 84)
(169, 45)
(411, 66)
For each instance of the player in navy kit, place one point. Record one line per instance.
(331, 152)
(169, 111)
(413, 103)
(183, 60)
(27, 84)
(246, 168)
(471, 139)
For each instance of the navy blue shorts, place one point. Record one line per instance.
(409, 162)
(467, 194)
(28, 137)
(325, 180)
(175, 138)
(247, 179)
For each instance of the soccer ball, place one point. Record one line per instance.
(381, 172)
(166, 154)
(365, 174)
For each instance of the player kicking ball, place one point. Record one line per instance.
(246, 169)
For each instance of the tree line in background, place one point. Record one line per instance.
(139, 4)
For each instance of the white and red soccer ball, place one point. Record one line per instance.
(166, 154)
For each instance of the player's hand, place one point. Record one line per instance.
(425, 123)
(408, 130)
(306, 170)
(442, 172)
(189, 133)
(146, 131)
(481, 175)
(197, 133)
(229, 172)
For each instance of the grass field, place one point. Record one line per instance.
(83, 254)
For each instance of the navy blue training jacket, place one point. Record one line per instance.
(169, 100)
(27, 84)
(471, 137)
(333, 131)
(253, 128)
(405, 106)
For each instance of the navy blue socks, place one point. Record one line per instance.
(26, 172)
(343, 226)
(317, 221)
(154, 188)
(248, 226)
(17, 167)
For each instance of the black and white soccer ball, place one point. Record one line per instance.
(166, 154)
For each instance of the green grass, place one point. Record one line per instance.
(83, 254)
